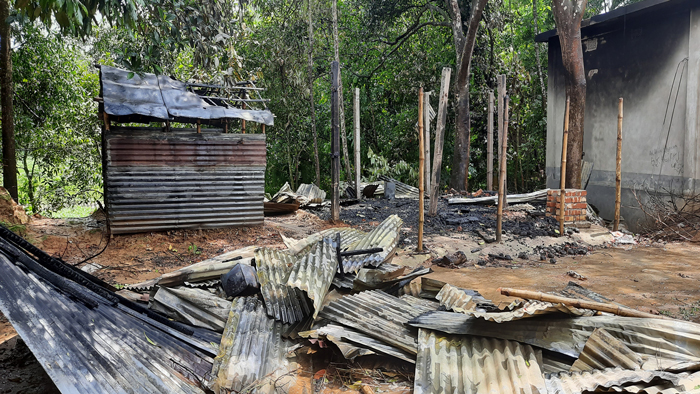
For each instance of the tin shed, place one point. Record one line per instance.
(160, 178)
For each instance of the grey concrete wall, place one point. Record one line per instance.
(636, 59)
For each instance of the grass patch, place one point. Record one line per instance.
(78, 211)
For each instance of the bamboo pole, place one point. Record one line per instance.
(199, 126)
(263, 127)
(106, 120)
(596, 306)
(489, 145)
(243, 120)
(501, 79)
(502, 177)
(426, 139)
(618, 170)
(335, 141)
(439, 138)
(421, 170)
(562, 182)
(357, 143)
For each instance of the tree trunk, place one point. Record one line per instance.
(9, 160)
(343, 135)
(311, 95)
(537, 55)
(567, 16)
(460, 169)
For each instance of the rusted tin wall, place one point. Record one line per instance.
(155, 180)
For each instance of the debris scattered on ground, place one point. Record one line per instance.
(576, 275)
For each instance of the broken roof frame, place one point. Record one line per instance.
(129, 97)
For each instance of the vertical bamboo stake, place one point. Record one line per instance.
(439, 137)
(106, 120)
(618, 170)
(501, 79)
(426, 139)
(489, 145)
(335, 141)
(421, 170)
(501, 176)
(562, 182)
(243, 120)
(263, 128)
(357, 143)
(199, 126)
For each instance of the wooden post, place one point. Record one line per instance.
(439, 137)
(357, 143)
(426, 138)
(502, 178)
(243, 120)
(263, 128)
(562, 182)
(335, 142)
(618, 169)
(106, 120)
(226, 126)
(421, 170)
(199, 126)
(489, 145)
(501, 94)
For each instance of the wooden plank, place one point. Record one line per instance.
(439, 139)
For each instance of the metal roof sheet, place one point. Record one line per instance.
(602, 350)
(314, 272)
(402, 189)
(385, 236)
(462, 300)
(464, 364)
(421, 304)
(195, 307)
(671, 345)
(348, 236)
(252, 354)
(283, 302)
(106, 349)
(312, 192)
(160, 97)
(376, 314)
(587, 381)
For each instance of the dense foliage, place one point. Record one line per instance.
(387, 50)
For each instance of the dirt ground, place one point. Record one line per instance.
(661, 278)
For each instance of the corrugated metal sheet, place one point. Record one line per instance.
(602, 350)
(385, 236)
(466, 364)
(348, 236)
(587, 381)
(462, 300)
(313, 193)
(375, 278)
(205, 270)
(688, 383)
(511, 198)
(353, 343)
(402, 189)
(522, 310)
(314, 272)
(285, 303)
(670, 345)
(420, 304)
(162, 98)
(100, 350)
(252, 354)
(195, 307)
(376, 314)
(158, 181)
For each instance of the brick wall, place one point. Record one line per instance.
(574, 205)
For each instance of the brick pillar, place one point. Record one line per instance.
(574, 206)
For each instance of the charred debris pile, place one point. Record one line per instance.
(245, 321)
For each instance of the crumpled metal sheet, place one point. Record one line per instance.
(206, 270)
(314, 272)
(385, 236)
(587, 381)
(669, 345)
(462, 300)
(402, 189)
(252, 353)
(376, 314)
(106, 349)
(465, 364)
(284, 303)
(195, 307)
(420, 304)
(602, 350)
(348, 236)
(164, 98)
(511, 198)
(375, 278)
(338, 335)
(206, 283)
(139, 95)
(687, 383)
(522, 310)
(313, 193)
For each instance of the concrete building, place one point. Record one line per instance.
(649, 54)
